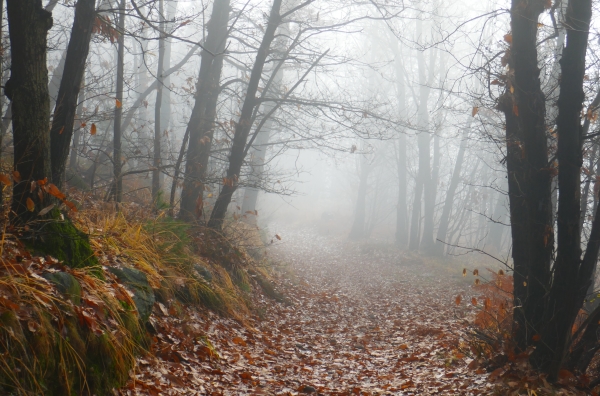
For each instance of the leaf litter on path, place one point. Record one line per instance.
(360, 322)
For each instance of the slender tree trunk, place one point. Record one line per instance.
(117, 152)
(156, 163)
(206, 98)
(401, 208)
(449, 201)
(259, 147)
(244, 124)
(61, 131)
(358, 230)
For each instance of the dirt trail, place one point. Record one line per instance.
(362, 321)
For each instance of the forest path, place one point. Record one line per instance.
(363, 319)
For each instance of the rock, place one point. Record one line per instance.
(137, 282)
(203, 272)
(66, 284)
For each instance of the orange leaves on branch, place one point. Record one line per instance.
(70, 205)
(30, 204)
(93, 129)
(474, 111)
(118, 104)
(16, 176)
(55, 192)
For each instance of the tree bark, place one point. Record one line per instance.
(156, 163)
(571, 275)
(529, 173)
(27, 89)
(117, 132)
(61, 131)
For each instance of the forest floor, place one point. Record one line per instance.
(359, 319)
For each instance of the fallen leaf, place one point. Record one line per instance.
(46, 210)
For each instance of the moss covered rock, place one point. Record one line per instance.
(66, 284)
(137, 282)
(62, 240)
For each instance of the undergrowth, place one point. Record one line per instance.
(67, 331)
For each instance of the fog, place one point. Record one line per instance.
(378, 119)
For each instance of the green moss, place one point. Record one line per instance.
(62, 240)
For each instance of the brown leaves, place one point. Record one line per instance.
(508, 38)
(93, 129)
(474, 111)
(458, 299)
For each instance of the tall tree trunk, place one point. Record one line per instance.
(156, 163)
(259, 147)
(27, 90)
(571, 275)
(244, 124)
(449, 200)
(117, 132)
(61, 131)
(401, 207)
(529, 173)
(358, 230)
(206, 98)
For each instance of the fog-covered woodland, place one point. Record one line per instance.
(226, 196)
